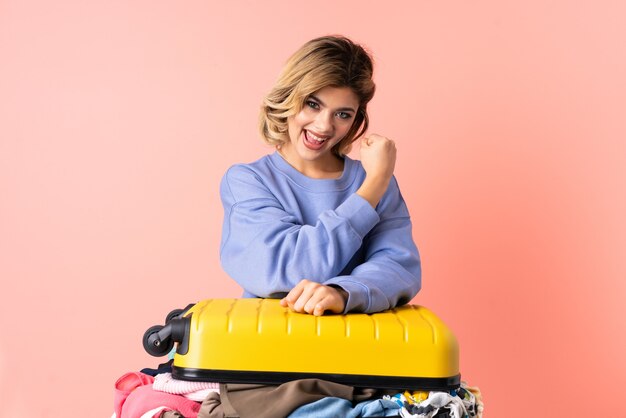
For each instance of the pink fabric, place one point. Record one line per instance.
(164, 382)
(144, 399)
(196, 391)
(125, 385)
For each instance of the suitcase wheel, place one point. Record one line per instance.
(173, 314)
(153, 344)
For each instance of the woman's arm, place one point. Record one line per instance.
(391, 273)
(389, 276)
(268, 251)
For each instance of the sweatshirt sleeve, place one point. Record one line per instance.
(391, 273)
(268, 251)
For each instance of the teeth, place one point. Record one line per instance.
(314, 137)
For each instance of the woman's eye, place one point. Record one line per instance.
(312, 104)
(344, 115)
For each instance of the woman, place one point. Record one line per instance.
(308, 224)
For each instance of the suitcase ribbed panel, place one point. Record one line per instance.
(258, 341)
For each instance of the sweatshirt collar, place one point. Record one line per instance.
(321, 185)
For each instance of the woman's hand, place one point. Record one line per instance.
(378, 157)
(315, 298)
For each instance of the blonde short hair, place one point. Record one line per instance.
(328, 61)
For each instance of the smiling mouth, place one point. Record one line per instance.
(314, 139)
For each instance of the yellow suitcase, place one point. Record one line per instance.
(258, 341)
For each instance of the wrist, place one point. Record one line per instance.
(342, 292)
(373, 189)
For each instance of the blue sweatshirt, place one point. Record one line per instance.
(281, 226)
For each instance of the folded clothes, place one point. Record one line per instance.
(337, 407)
(196, 391)
(163, 396)
(269, 401)
(465, 402)
(125, 385)
(144, 399)
(134, 397)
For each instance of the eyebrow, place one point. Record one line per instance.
(341, 109)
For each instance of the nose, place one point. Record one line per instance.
(324, 122)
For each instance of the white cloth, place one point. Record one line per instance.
(153, 412)
(469, 406)
(439, 400)
(196, 391)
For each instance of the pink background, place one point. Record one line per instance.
(118, 119)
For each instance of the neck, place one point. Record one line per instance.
(330, 168)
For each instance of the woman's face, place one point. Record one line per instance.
(327, 116)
